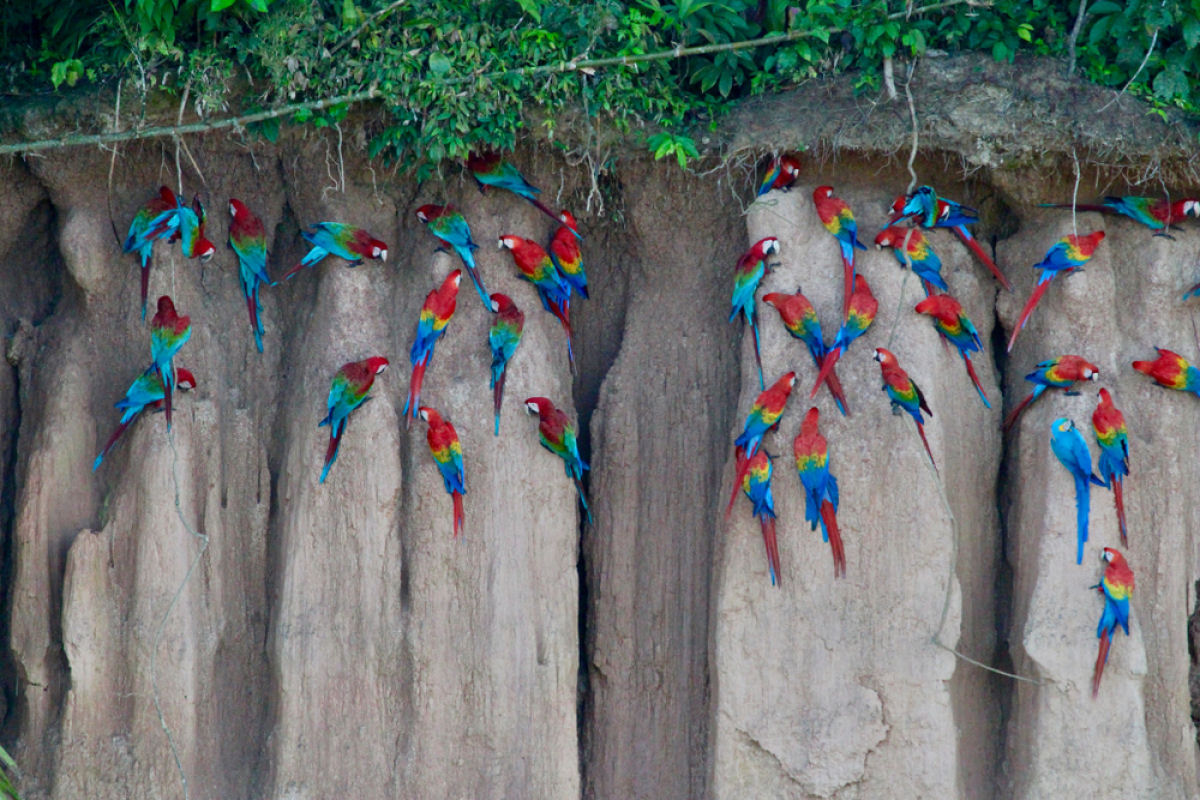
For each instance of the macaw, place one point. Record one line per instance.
(1172, 371)
(146, 392)
(157, 219)
(800, 319)
(248, 240)
(904, 394)
(503, 338)
(950, 321)
(344, 241)
(450, 227)
(949, 214)
(447, 453)
(566, 255)
(912, 249)
(436, 312)
(764, 415)
(489, 169)
(168, 332)
(820, 487)
(191, 230)
(838, 219)
(860, 315)
(1116, 586)
(347, 392)
(1068, 254)
(1054, 373)
(1156, 213)
(757, 487)
(557, 435)
(781, 174)
(747, 275)
(1072, 452)
(535, 265)
(1108, 423)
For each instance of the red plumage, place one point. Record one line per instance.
(771, 541)
(973, 245)
(829, 516)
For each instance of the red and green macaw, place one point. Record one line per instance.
(757, 487)
(1054, 373)
(490, 169)
(248, 240)
(557, 435)
(747, 275)
(945, 214)
(436, 312)
(1067, 255)
(1108, 423)
(950, 321)
(1072, 452)
(1116, 586)
(447, 454)
(800, 319)
(169, 331)
(191, 231)
(912, 249)
(1172, 371)
(1156, 213)
(820, 486)
(781, 174)
(535, 265)
(566, 255)
(838, 219)
(344, 241)
(904, 394)
(146, 392)
(859, 316)
(450, 227)
(503, 338)
(764, 415)
(347, 392)
(157, 219)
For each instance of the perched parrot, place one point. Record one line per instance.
(950, 321)
(449, 225)
(1156, 213)
(344, 241)
(1108, 423)
(191, 231)
(757, 486)
(860, 315)
(1054, 373)
(912, 249)
(1172, 371)
(168, 332)
(800, 319)
(1067, 255)
(447, 453)
(747, 275)
(566, 255)
(781, 174)
(436, 312)
(557, 435)
(838, 219)
(820, 487)
(489, 169)
(347, 392)
(157, 219)
(1116, 586)
(904, 394)
(1072, 452)
(503, 338)
(763, 416)
(248, 240)
(146, 392)
(949, 214)
(534, 265)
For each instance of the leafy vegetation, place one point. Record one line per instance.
(456, 76)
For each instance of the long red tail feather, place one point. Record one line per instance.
(973, 245)
(975, 379)
(458, 513)
(848, 285)
(498, 396)
(839, 394)
(1119, 499)
(112, 440)
(540, 206)
(414, 391)
(1038, 291)
(145, 286)
(831, 358)
(1101, 659)
(1016, 412)
(924, 441)
(772, 544)
(739, 475)
(829, 517)
(299, 266)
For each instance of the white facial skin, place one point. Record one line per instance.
(379, 252)
(1106, 557)
(532, 408)
(457, 281)
(380, 369)
(505, 242)
(1191, 208)
(425, 416)
(496, 306)
(232, 209)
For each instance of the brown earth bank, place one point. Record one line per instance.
(300, 640)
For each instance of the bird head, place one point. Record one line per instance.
(1191, 207)
(822, 193)
(885, 357)
(773, 299)
(377, 364)
(538, 405)
(378, 250)
(429, 415)
(568, 219)
(453, 279)
(885, 238)
(501, 302)
(1105, 397)
(508, 242)
(810, 420)
(237, 208)
(184, 379)
(165, 306)
(768, 246)
(790, 166)
(205, 250)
